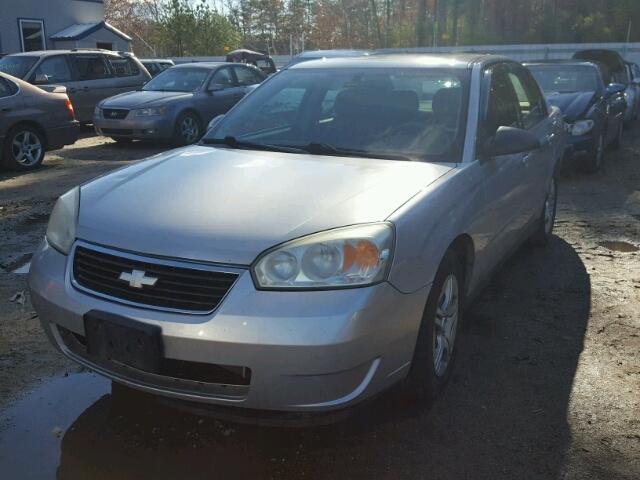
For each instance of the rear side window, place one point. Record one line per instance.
(52, 70)
(247, 76)
(90, 67)
(123, 67)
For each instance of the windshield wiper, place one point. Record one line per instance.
(331, 150)
(233, 142)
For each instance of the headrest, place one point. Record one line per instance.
(446, 102)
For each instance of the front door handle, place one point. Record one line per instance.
(526, 157)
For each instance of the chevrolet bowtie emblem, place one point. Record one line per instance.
(137, 279)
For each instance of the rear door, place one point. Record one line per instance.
(10, 107)
(126, 74)
(93, 82)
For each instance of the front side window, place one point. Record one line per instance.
(178, 80)
(247, 76)
(17, 66)
(51, 70)
(123, 67)
(90, 67)
(32, 35)
(415, 113)
(532, 105)
(503, 108)
(223, 78)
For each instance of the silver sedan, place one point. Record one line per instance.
(317, 246)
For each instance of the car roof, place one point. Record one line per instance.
(158, 60)
(206, 65)
(48, 53)
(564, 61)
(405, 60)
(333, 53)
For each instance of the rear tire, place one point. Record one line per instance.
(435, 351)
(188, 129)
(544, 229)
(23, 149)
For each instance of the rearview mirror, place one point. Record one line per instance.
(614, 88)
(509, 140)
(214, 122)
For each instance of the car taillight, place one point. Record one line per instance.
(70, 111)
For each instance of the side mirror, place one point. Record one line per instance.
(214, 122)
(614, 88)
(41, 78)
(215, 87)
(509, 140)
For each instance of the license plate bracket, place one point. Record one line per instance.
(114, 338)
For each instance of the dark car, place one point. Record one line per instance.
(176, 105)
(260, 60)
(156, 65)
(32, 121)
(89, 75)
(594, 113)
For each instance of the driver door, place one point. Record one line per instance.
(222, 92)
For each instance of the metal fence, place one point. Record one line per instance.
(521, 52)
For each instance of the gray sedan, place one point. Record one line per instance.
(318, 246)
(177, 104)
(32, 121)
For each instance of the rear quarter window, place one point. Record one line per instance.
(123, 67)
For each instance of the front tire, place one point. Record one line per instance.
(23, 149)
(188, 129)
(617, 143)
(596, 158)
(435, 350)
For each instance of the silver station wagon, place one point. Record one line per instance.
(317, 246)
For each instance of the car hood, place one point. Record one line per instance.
(572, 105)
(227, 206)
(143, 99)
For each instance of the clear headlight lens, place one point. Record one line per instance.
(345, 257)
(581, 127)
(149, 112)
(61, 231)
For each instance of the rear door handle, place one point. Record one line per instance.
(526, 157)
(71, 90)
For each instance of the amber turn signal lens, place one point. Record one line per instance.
(367, 254)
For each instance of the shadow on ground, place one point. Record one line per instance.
(502, 416)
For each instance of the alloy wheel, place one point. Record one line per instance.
(189, 129)
(26, 148)
(445, 325)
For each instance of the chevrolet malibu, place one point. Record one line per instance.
(317, 246)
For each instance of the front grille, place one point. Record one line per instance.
(182, 288)
(117, 131)
(115, 113)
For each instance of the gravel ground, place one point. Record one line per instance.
(546, 384)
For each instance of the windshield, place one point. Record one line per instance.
(178, 80)
(17, 66)
(412, 113)
(566, 78)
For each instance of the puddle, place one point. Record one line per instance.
(23, 270)
(31, 430)
(619, 246)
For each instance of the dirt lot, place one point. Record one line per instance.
(547, 383)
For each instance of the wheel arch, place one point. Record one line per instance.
(464, 249)
(32, 124)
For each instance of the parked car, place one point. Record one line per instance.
(614, 71)
(318, 246)
(177, 104)
(632, 80)
(260, 60)
(32, 121)
(156, 65)
(318, 54)
(594, 112)
(89, 75)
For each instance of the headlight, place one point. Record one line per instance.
(61, 231)
(581, 127)
(344, 257)
(97, 112)
(149, 112)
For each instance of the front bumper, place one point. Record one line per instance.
(307, 351)
(137, 128)
(580, 146)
